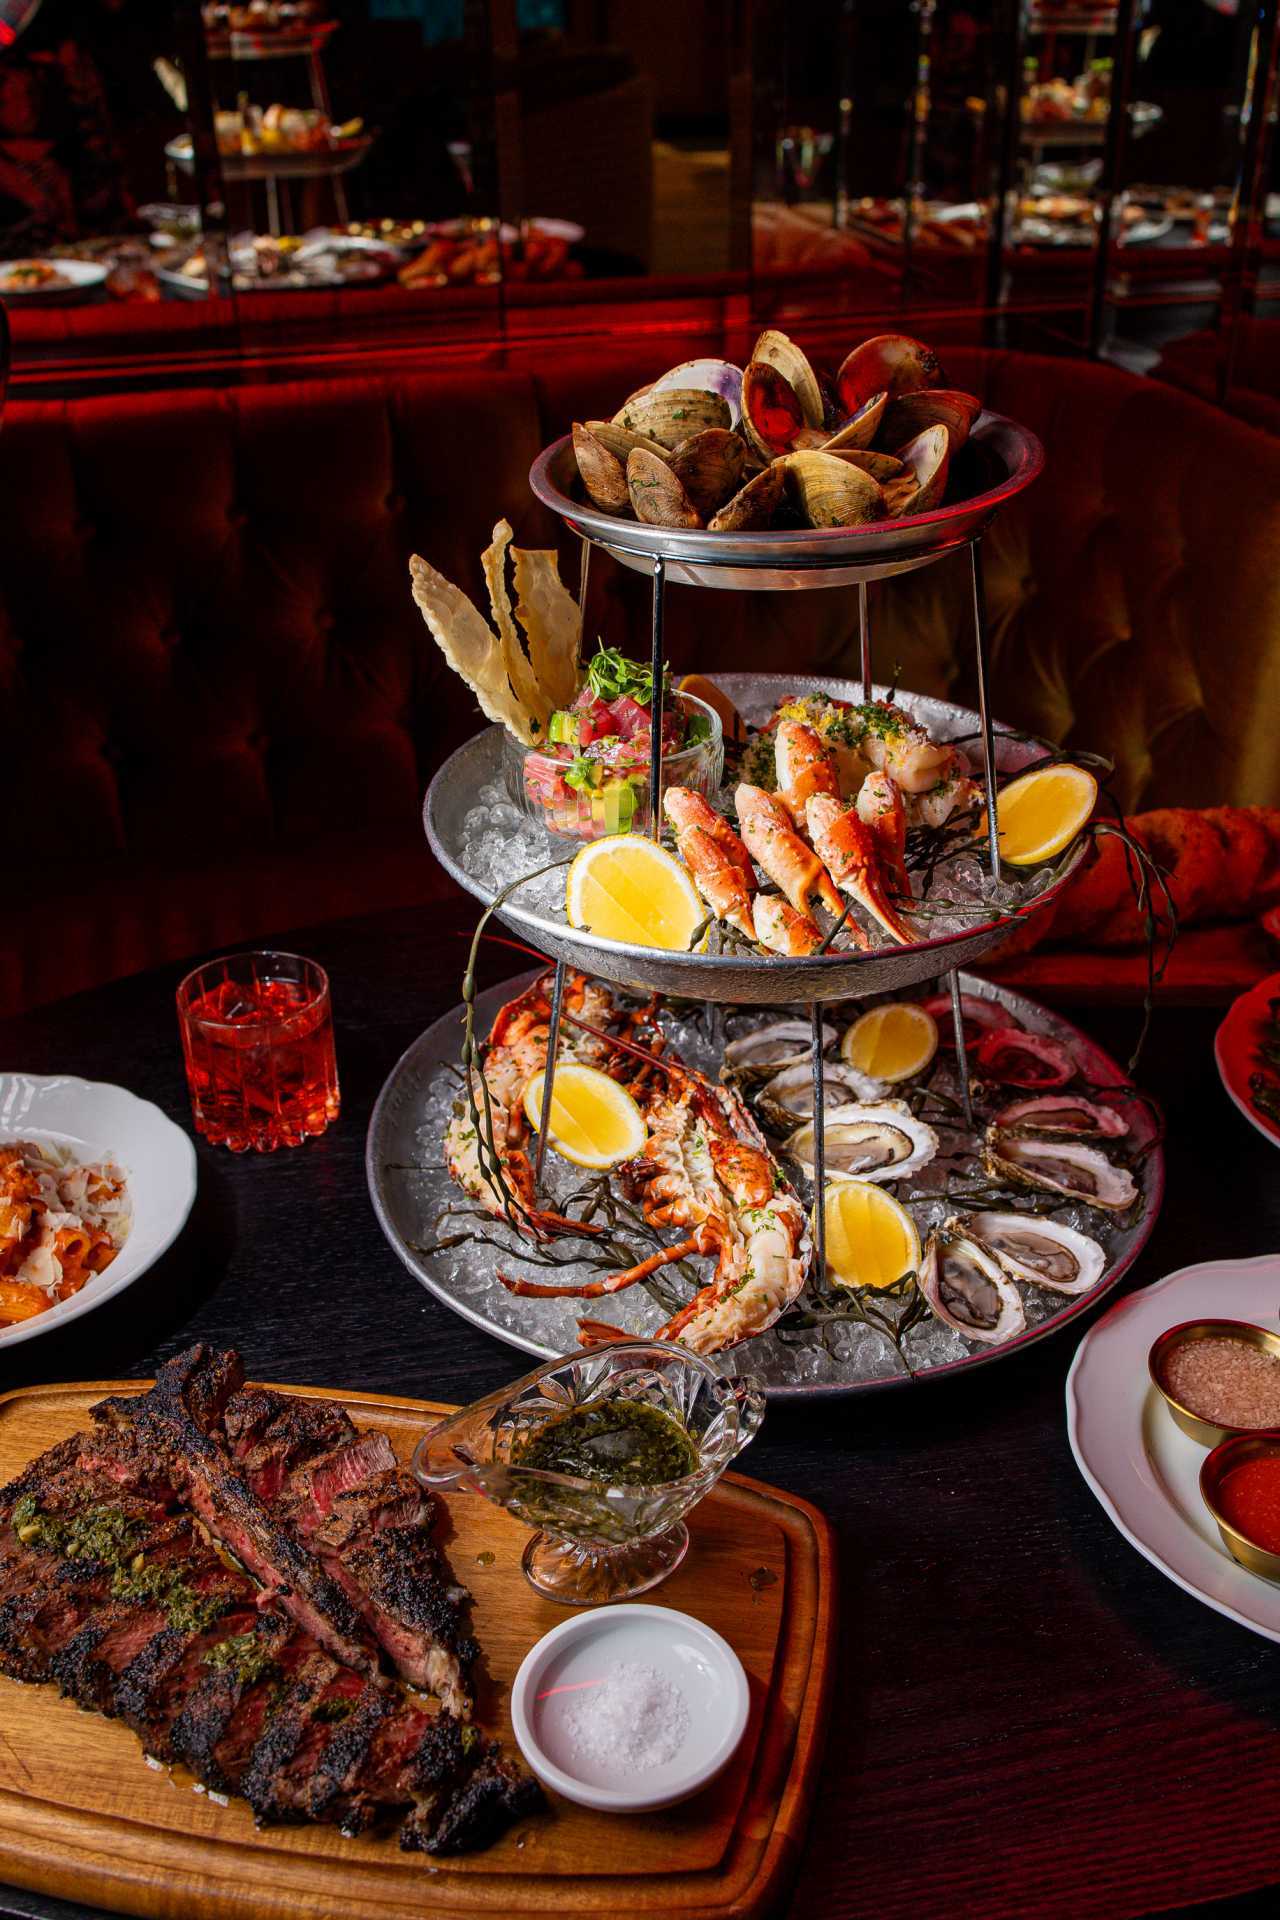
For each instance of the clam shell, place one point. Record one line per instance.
(900, 495)
(867, 1140)
(910, 413)
(603, 474)
(774, 349)
(893, 361)
(713, 376)
(928, 457)
(861, 428)
(754, 506)
(1066, 1167)
(620, 440)
(1044, 1253)
(709, 467)
(772, 416)
(831, 493)
(656, 494)
(966, 1286)
(670, 414)
(881, 466)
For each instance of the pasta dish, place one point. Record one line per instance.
(61, 1221)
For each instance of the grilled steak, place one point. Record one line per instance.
(111, 1586)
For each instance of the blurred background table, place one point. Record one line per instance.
(1028, 1718)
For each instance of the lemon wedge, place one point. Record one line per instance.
(892, 1042)
(594, 1122)
(630, 889)
(871, 1239)
(1042, 813)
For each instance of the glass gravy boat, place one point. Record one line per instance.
(595, 1541)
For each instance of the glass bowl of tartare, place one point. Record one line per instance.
(590, 777)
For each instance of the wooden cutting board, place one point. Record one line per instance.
(82, 1816)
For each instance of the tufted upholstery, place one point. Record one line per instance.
(223, 706)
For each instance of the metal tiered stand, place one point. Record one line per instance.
(1002, 459)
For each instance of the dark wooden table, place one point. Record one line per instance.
(1029, 1718)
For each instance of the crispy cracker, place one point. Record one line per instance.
(524, 683)
(548, 613)
(471, 647)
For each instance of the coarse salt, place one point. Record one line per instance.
(631, 1721)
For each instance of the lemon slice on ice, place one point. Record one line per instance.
(892, 1042)
(1042, 813)
(630, 889)
(594, 1122)
(871, 1239)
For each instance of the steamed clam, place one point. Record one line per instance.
(1064, 1167)
(872, 1140)
(966, 1286)
(779, 442)
(1043, 1252)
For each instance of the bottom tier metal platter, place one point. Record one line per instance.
(412, 1194)
(536, 911)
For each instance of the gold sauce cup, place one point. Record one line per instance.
(1206, 1433)
(1232, 1453)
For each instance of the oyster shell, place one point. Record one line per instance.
(1063, 1113)
(1022, 1059)
(1043, 1252)
(869, 1140)
(765, 1050)
(788, 1097)
(1060, 1166)
(967, 1287)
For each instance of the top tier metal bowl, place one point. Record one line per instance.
(998, 461)
(745, 979)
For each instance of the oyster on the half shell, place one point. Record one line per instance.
(765, 1050)
(875, 1140)
(1042, 1252)
(1066, 1167)
(966, 1286)
(1066, 1113)
(788, 1096)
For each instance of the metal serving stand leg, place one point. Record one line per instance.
(962, 1057)
(864, 640)
(984, 709)
(656, 702)
(549, 1072)
(819, 1146)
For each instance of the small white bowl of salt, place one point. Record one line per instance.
(628, 1708)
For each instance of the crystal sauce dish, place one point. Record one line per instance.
(595, 1541)
(613, 794)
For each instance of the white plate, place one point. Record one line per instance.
(579, 1653)
(83, 275)
(99, 1121)
(1233, 1050)
(1142, 1467)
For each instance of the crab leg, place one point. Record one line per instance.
(881, 808)
(774, 844)
(612, 1283)
(780, 928)
(849, 848)
(804, 766)
(720, 864)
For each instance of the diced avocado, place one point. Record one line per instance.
(613, 807)
(563, 728)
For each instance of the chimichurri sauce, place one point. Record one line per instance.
(625, 1442)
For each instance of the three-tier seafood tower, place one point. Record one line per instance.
(777, 477)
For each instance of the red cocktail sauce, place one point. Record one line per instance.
(1248, 1498)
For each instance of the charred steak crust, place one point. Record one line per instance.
(109, 1587)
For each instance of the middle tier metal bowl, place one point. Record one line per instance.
(745, 979)
(999, 459)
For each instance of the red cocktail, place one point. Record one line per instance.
(257, 1035)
